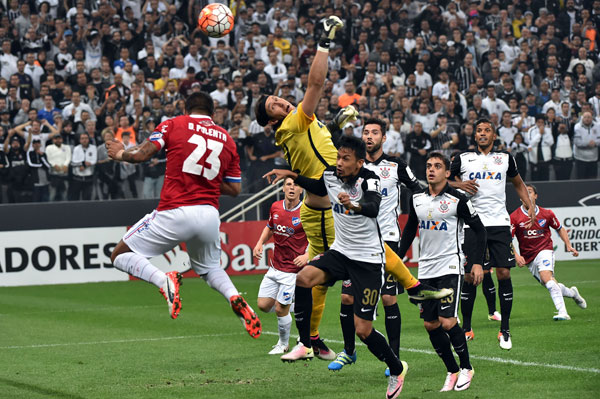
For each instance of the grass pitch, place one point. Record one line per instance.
(116, 340)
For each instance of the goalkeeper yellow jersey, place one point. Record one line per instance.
(306, 143)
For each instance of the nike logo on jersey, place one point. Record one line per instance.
(365, 310)
(472, 160)
(389, 287)
(444, 307)
(511, 259)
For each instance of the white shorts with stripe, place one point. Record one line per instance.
(544, 261)
(197, 226)
(278, 285)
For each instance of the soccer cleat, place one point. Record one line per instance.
(395, 383)
(495, 316)
(579, 299)
(469, 335)
(170, 291)
(248, 317)
(561, 317)
(387, 372)
(423, 292)
(341, 360)
(300, 352)
(278, 349)
(450, 382)
(321, 350)
(504, 339)
(465, 376)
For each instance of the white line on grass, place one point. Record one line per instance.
(424, 351)
(76, 310)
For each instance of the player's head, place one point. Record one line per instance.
(351, 156)
(485, 133)
(373, 134)
(437, 168)
(271, 110)
(291, 190)
(199, 103)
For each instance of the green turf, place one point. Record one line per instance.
(111, 340)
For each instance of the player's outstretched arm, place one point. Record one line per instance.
(138, 154)
(318, 69)
(564, 236)
(410, 231)
(524, 195)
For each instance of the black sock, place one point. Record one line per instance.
(459, 342)
(348, 330)
(489, 290)
(393, 323)
(382, 351)
(302, 313)
(441, 344)
(505, 291)
(467, 301)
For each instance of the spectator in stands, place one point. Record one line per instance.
(563, 152)
(38, 162)
(540, 141)
(19, 174)
(262, 153)
(585, 150)
(59, 158)
(83, 162)
(418, 144)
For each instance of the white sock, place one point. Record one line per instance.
(140, 267)
(218, 280)
(567, 292)
(556, 296)
(285, 325)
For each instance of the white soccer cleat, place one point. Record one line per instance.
(579, 299)
(300, 352)
(465, 376)
(279, 349)
(450, 382)
(396, 382)
(561, 317)
(504, 339)
(495, 316)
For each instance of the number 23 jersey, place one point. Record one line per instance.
(200, 155)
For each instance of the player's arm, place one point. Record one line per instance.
(344, 115)
(469, 186)
(137, 154)
(265, 236)
(521, 189)
(466, 212)
(562, 233)
(368, 205)
(407, 177)
(318, 69)
(231, 188)
(410, 231)
(313, 186)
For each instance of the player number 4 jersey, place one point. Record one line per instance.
(200, 155)
(536, 238)
(490, 172)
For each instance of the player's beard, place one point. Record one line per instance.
(375, 148)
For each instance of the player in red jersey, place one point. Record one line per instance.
(289, 257)
(535, 245)
(202, 164)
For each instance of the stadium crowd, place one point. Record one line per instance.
(75, 73)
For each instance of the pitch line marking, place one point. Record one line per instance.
(424, 351)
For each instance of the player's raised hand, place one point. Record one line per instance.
(477, 274)
(573, 251)
(345, 115)
(258, 251)
(301, 260)
(470, 186)
(114, 147)
(279, 174)
(520, 260)
(531, 214)
(332, 24)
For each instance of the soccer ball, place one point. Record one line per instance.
(215, 20)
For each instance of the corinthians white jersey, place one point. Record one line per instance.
(356, 236)
(440, 221)
(391, 171)
(490, 171)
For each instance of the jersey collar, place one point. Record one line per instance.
(537, 210)
(378, 160)
(294, 208)
(198, 116)
(444, 190)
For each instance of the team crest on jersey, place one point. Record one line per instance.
(498, 160)
(385, 173)
(295, 221)
(444, 206)
(353, 192)
(290, 231)
(542, 222)
(276, 216)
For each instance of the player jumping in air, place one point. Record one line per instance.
(202, 164)
(439, 214)
(308, 148)
(276, 292)
(536, 251)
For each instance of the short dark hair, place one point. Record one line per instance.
(355, 144)
(440, 156)
(376, 121)
(484, 120)
(261, 111)
(534, 188)
(200, 102)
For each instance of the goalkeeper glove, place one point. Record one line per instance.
(345, 115)
(330, 25)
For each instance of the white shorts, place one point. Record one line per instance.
(278, 285)
(544, 261)
(160, 231)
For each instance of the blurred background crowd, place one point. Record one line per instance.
(75, 73)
